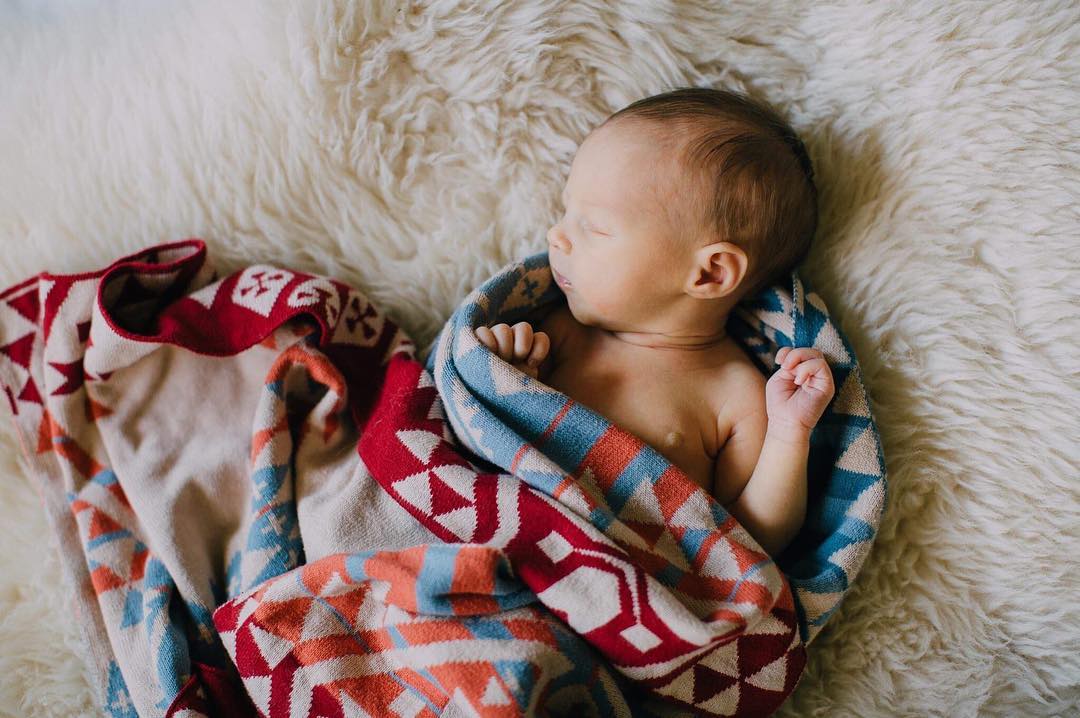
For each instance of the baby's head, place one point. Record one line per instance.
(679, 205)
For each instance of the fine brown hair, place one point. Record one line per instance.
(756, 179)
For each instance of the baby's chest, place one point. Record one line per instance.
(673, 416)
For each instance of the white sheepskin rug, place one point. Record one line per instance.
(413, 149)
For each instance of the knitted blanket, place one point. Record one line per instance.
(267, 506)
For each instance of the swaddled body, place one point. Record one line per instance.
(683, 403)
(677, 207)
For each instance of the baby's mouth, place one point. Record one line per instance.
(561, 280)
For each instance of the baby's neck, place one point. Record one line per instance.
(673, 341)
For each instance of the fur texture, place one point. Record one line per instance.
(414, 150)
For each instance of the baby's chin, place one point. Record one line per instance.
(585, 316)
(578, 312)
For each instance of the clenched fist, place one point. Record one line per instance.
(517, 345)
(797, 394)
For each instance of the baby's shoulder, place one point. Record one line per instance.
(740, 387)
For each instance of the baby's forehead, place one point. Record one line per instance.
(632, 155)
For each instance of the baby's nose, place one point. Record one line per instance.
(557, 239)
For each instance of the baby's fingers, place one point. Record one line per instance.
(796, 356)
(813, 372)
(523, 340)
(541, 346)
(487, 338)
(504, 335)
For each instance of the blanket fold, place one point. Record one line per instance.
(266, 505)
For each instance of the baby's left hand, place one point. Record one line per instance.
(797, 394)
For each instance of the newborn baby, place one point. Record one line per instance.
(677, 207)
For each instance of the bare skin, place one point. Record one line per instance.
(641, 338)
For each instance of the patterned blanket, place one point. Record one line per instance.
(267, 506)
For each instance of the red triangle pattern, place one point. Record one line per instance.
(443, 498)
(26, 304)
(19, 350)
(56, 296)
(30, 392)
(101, 523)
(104, 579)
(73, 376)
(709, 682)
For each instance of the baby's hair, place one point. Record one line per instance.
(757, 179)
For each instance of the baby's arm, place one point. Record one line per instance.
(772, 505)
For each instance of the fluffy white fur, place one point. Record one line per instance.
(413, 150)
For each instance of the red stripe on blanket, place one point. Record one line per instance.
(399, 569)
(609, 456)
(541, 440)
(555, 422)
(433, 631)
(672, 489)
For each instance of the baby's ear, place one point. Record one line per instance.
(717, 270)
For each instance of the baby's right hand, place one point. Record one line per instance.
(517, 345)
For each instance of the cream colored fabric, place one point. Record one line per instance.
(414, 149)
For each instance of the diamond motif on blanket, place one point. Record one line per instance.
(314, 290)
(669, 548)
(818, 604)
(569, 595)
(419, 442)
(360, 324)
(504, 379)
(640, 637)
(555, 546)
(258, 288)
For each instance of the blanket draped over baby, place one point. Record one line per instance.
(265, 505)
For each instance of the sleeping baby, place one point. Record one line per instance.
(676, 208)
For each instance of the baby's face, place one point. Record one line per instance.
(619, 252)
